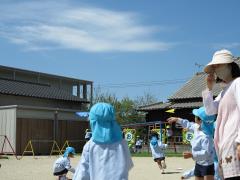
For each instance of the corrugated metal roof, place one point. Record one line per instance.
(193, 88)
(20, 88)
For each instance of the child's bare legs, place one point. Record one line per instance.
(164, 164)
(63, 177)
(209, 177)
(160, 166)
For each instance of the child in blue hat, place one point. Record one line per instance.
(157, 149)
(62, 165)
(106, 155)
(202, 143)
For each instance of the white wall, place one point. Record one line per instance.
(8, 128)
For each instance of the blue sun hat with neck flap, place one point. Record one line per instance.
(105, 129)
(69, 150)
(207, 124)
(154, 141)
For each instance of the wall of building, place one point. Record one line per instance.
(8, 128)
(6, 74)
(46, 114)
(41, 131)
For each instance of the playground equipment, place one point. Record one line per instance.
(65, 145)
(29, 148)
(4, 144)
(163, 129)
(130, 136)
(161, 133)
(187, 136)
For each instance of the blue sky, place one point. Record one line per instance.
(152, 45)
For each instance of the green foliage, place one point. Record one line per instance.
(125, 108)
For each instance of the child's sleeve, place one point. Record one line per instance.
(82, 170)
(206, 147)
(161, 145)
(68, 166)
(209, 103)
(191, 126)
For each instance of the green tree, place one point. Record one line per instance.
(126, 109)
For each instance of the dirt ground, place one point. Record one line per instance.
(41, 168)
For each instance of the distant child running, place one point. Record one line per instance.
(106, 155)
(202, 144)
(62, 165)
(157, 148)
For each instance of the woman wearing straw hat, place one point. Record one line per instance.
(227, 107)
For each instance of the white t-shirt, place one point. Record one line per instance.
(62, 163)
(139, 142)
(158, 151)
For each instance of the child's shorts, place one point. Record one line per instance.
(138, 146)
(159, 159)
(201, 171)
(65, 171)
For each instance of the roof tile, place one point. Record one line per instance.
(12, 87)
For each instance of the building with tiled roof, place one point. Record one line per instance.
(188, 97)
(41, 107)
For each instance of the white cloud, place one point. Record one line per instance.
(229, 45)
(41, 26)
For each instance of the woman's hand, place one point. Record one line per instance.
(210, 81)
(172, 120)
(238, 151)
(187, 155)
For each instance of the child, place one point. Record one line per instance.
(138, 145)
(208, 128)
(169, 134)
(62, 164)
(202, 144)
(106, 155)
(157, 151)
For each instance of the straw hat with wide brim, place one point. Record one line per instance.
(220, 57)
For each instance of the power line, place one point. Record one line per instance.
(143, 83)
